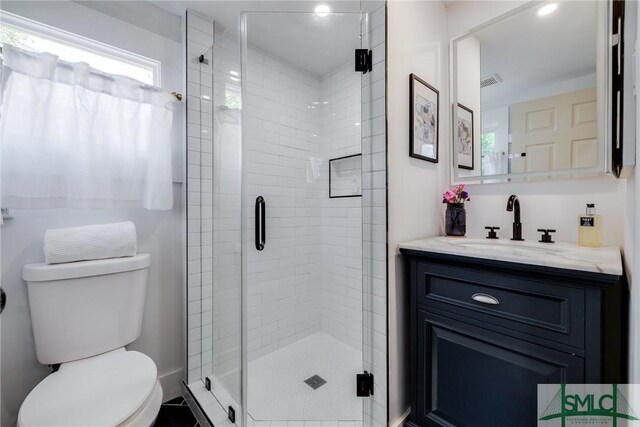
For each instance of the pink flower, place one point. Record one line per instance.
(457, 194)
(450, 196)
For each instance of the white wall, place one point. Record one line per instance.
(159, 233)
(417, 43)
(551, 204)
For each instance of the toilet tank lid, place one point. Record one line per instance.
(42, 272)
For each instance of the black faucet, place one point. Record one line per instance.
(513, 205)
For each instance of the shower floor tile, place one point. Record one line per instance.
(277, 388)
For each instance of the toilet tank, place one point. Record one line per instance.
(85, 308)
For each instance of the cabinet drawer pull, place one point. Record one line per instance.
(485, 299)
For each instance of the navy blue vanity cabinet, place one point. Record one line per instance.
(484, 333)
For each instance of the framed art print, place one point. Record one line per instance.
(464, 138)
(424, 106)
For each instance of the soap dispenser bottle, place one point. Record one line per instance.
(590, 228)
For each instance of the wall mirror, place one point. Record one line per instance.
(529, 94)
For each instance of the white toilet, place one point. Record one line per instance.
(83, 314)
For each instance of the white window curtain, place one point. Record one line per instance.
(75, 137)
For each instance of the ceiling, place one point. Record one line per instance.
(530, 51)
(314, 44)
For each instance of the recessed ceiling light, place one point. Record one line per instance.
(322, 9)
(547, 9)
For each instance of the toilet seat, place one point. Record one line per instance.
(110, 389)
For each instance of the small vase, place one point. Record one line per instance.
(455, 219)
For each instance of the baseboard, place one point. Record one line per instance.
(171, 383)
(401, 419)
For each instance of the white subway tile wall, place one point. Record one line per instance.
(227, 220)
(311, 275)
(341, 218)
(282, 141)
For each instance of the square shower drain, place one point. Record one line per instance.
(315, 382)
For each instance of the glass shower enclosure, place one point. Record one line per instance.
(281, 237)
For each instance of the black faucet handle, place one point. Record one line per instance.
(492, 232)
(546, 237)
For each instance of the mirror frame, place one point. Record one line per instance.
(603, 84)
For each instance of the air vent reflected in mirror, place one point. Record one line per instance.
(490, 80)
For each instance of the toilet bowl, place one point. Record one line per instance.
(118, 388)
(83, 314)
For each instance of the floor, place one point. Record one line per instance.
(277, 388)
(176, 413)
(279, 396)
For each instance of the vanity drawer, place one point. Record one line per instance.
(506, 302)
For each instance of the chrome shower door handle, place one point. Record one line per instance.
(260, 226)
(485, 299)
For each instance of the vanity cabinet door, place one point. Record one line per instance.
(468, 376)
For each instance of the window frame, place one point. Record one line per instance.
(81, 42)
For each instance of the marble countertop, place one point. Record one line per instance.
(558, 255)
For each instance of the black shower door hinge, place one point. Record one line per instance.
(364, 61)
(364, 384)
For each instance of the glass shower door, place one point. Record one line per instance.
(219, 223)
(302, 232)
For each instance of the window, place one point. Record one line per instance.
(35, 37)
(488, 142)
(232, 98)
(100, 139)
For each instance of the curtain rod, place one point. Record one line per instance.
(177, 95)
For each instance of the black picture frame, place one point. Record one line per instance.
(463, 159)
(417, 126)
(337, 159)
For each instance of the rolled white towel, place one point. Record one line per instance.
(90, 242)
